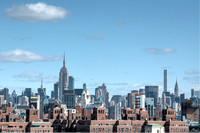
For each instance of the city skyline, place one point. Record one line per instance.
(126, 48)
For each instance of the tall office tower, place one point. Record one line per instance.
(169, 101)
(120, 99)
(163, 99)
(35, 101)
(102, 95)
(84, 86)
(41, 90)
(117, 99)
(142, 100)
(165, 80)
(23, 100)
(152, 92)
(192, 92)
(14, 97)
(176, 89)
(149, 105)
(131, 100)
(182, 98)
(52, 94)
(63, 80)
(115, 111)
(85, 98)
(69, 98)
(71, 83)
(197, 92)
(5, 92)
(56, 88)
(134, 99)
(28, 93)
(2, 100)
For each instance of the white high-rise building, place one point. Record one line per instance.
(85, 98)
(142, 100)
(2, 101)
(63, 80)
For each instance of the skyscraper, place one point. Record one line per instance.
(56, 87)
(71, 82)
(196, 91)
(52, 94)
(63, 80)
(176, 90)
(182, 98)
(42, 91)
(152, 92)
(84, 86)
(102, 95)
(14, 97)
(28, 93)
(192, 92)
(165, 80)
(2, 101)
(149, 105)
(35, 101)
(5, 92)
(132, 100)
(69, 98)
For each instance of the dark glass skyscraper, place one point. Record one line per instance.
(56, 93)
(28, 93)
(165, 80)
(152, 92)
(71, 83)
(5, 92)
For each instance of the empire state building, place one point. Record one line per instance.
(63, 80)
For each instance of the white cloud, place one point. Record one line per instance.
(95, 37)
(192, 76)
(159, 51)
(36, 77)
(36, 12)
(193, 79)
(192, 72)
(19, 55)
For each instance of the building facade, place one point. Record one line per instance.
(102, 95)
(63, 80)
(152, 92)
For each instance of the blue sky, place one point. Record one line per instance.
(124, 44)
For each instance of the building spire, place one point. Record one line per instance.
(64, 60)
(176, 89)
(41, 83)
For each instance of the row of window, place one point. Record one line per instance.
(40, 131)
(12, 131)
(11, 127)
(101, 111)
(177, 129)
(101, 129)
